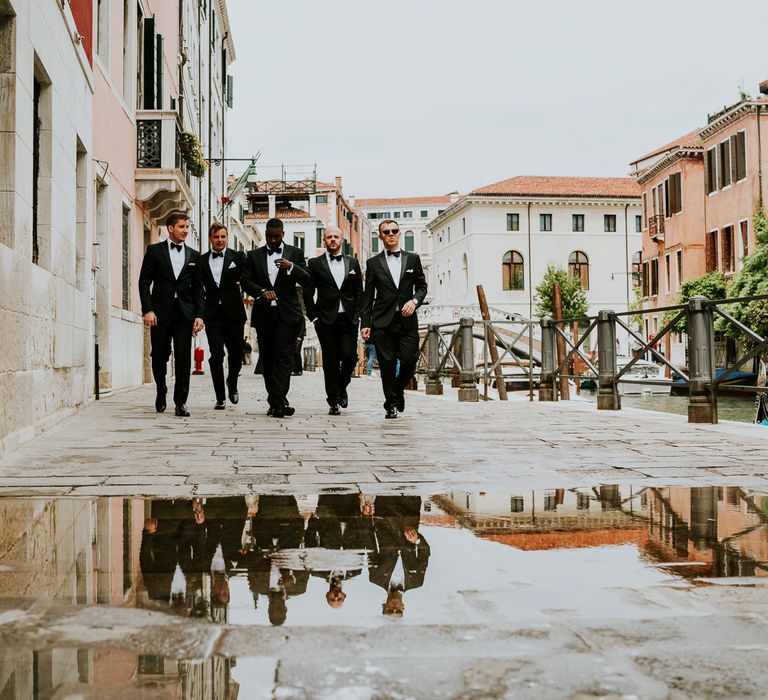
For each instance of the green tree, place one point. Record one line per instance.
(711, 285)
(751, 280)
(574, 297)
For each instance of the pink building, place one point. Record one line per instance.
(699, 194)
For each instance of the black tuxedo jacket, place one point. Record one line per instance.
(326, 307)
(255, 280)
(382, 299)
(158, 287)
(223, 301)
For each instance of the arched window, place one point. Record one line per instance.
(512, 271)
(409, 241)
(465, 270)
(578, 268)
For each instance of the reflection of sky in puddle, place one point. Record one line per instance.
(475, 581)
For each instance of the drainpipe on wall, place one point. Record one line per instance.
(759, 158)
(530, 267)
(626, 249)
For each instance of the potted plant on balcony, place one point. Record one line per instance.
(189, 148)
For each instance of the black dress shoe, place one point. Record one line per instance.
(391, 413)
(182, 410)
(344, 401)
(270, 411)
(219, 405)
(276, 413)
(234, 396)
(160, 400)
(288, 411)
(334, 410)
(400, 405)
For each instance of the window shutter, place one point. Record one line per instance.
(230, 91)
(708, 252)
(734, 159)
(159, 68)
(741, 159)
(706, 172)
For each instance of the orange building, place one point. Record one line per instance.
(699, 194)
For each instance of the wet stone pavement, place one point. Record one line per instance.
(463, 551)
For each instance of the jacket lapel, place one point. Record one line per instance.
(347, 264)
(387, 273)
(166, 255)
(263, 263)
(326, 265)
(403, 266)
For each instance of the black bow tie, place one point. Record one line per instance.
(275, 251)
(176, 246)
(393, 253)
(217, 255)
(335, 257)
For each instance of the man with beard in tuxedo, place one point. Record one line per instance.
(339, 285)
(270, 276)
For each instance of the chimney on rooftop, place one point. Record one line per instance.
(454, 196)
(764, 87)
(338, 184)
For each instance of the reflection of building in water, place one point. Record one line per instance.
(72, 551)
(723, 528)
(551, 519)
(208, 679)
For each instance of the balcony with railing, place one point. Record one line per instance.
(656, 227)
(162, 180)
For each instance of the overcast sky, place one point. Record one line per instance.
(422, 97)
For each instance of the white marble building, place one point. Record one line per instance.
(504, 236)
(46, 102)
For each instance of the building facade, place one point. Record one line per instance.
(412, 215)
(503, 236)
(46, 161)
(699, 194)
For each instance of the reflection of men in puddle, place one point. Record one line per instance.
(402, 554)
(276, 525)
(340, 522)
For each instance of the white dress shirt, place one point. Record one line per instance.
(394, 263)
(217, 267)
(273, 269)
(178, 258)
(337, 270)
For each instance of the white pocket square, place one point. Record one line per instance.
(192, 264)
(232, 264)
(411, 270)
(352, 272)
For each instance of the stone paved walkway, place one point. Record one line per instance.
(120, 446)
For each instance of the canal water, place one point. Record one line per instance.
(144, 595)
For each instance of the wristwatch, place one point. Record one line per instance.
(415, 301)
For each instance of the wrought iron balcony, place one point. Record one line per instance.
(656, 227)
(162, 182)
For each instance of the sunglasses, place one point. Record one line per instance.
(390, 231)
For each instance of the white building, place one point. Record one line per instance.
(46, 152)
(412, 215)
(504, 236)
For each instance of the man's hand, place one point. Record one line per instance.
(365, 334)
(283, 264)
(150, 319)
(197, 326)
(150, 525)
(411, 534)
(408, 308)
(269, 295)
(298, 342)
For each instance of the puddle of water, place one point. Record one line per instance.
(342, 561)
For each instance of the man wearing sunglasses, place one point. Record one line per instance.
(395, 286)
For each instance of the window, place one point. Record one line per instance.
(37, 89)
(319, 233)
(545, 222)
(126, 258)
(409, 240)
(513, 222)
(550, 501)
(578, 268)
(374, 243)
(323, 199)
(710, 170)
(440, 211)
(739, 156)
(744, 238)
(667, 274)
(578, 222)
(582, 501)
(610, 223)
(655, 277)
(463, 226)
(127, 49)
(298, 239)
(645, 210)
(424, 213)
(675, 194)
(679, 271)
(512, 271)
(102, 31)
(728, 257)
(637, 267)
(397, 215)
(724, 163)
(407, 214)
(711, 251)
(646, 280)
(516, 504)
(638, 224)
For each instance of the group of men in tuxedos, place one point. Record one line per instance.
(182, 291)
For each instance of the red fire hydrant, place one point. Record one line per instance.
(199, 355)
